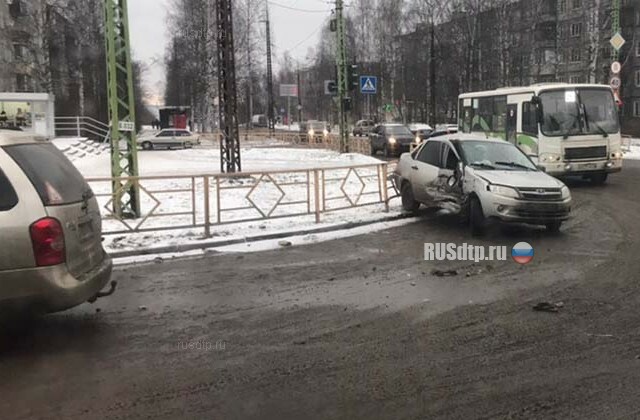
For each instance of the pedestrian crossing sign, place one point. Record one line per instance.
(368, 85)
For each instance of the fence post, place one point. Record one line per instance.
(316, 191)
(207, 226)
(385, 191)
(78, 133)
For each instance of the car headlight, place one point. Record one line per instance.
(311, 132)
(504, 191)
(418, 139)
(549, 158)
(616, 155)
(326, 132)
(392, 140)
(566, 193)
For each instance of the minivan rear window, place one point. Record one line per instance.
(8, 196)
(55, 178)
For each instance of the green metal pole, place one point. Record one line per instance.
(615, 24)
(343, 89)
(124, 158)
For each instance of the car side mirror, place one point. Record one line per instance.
(460, 170)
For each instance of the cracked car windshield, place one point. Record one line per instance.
(319, 209)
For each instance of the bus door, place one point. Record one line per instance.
(512, 123)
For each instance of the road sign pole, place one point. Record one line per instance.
(341, 61)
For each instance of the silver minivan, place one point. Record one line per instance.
(52, 257)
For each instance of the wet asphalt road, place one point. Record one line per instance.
(356, 328)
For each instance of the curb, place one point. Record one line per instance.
(171, 249)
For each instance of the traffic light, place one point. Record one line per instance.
(352, 77)
(347, 104)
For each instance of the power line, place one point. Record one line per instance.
(297, 9)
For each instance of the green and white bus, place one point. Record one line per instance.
(567, 129)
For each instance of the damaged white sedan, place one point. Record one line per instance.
(481, 179)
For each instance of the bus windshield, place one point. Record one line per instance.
(578, 112)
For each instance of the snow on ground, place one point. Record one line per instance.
(286, 193)
(634, 151)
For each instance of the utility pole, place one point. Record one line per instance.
(343, 89)
(299, 97)
(227, 95)
(124, 158)
(271, 102)
(432, 76)
(249, 66)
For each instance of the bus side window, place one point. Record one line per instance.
(529, 119)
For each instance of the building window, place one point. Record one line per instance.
(637, 78)
(562, 5)
(20, 52)
(637, 49)
(636, 109)
(575, 55)
(23, 83)
(576, 79)
(576, 29)
(575, 4)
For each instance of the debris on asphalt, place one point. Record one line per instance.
(285, 243)
(413, 283)
(98, 310)
(142, 308)
(332, 279)
(445, 273)
(547, 307)
(300, 342)
(158, 260)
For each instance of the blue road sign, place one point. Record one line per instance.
(369, 85)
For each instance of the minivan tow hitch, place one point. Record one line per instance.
(112, 289)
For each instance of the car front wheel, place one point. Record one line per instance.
(477, 220)
(409, 203)
(147, 145)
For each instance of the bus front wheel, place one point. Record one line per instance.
(599, 178)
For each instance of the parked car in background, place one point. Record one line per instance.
(445, 127)
(363, 127)
(481, 179)
(259, 121)
(169, 138)
(391, 139)
(50, 223)
(420, 131)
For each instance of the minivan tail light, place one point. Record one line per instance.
(47, 238)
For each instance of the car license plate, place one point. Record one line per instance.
(590, 166)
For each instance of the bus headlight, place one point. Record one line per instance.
(504, 191)
(616, 155)
(549, 158)
(311, 132)
(565, 192)
(325, 132)
(418, 140)
(392, 140)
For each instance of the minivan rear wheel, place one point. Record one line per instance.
(409, 203)
(477, 220)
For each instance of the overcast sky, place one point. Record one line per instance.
(292, 30)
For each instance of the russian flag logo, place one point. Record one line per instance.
(522, 253)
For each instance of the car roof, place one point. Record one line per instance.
(463, 137)
(12, 137)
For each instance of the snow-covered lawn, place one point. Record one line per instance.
(634, 151)
(281, 195)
